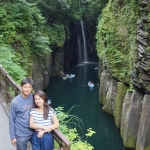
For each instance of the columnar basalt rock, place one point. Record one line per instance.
(125, 112)
(100, 68)
(133, 118)
(41, 69)
(141, 79)
(47, 70)
(143, 138)
(37, 72)
(121, 91)
(109, 104)
(57, 61)
(104, 84)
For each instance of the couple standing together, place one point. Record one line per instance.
(31, 119)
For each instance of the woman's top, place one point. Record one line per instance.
(39, 119)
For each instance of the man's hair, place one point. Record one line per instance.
(27, 80)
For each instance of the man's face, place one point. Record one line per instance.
(26, 89)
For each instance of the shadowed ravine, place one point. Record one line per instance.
(76, 92)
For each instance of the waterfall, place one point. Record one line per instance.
(81, 43)
(84, 43)
(79, 49)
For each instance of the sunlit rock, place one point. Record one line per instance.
(143, 137)
(104, 84)
(125, 111)
(110, 98)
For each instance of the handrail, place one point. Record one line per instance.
(7, 85)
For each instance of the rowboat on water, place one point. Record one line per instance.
(71, 76)
(65, 76)
(90, 84)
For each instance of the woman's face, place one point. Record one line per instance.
(38, 101)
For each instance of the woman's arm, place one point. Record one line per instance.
(55, 124)
(35, 126)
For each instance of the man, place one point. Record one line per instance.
(20, 132)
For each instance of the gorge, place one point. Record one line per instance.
(45, 39)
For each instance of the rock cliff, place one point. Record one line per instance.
(129, 100)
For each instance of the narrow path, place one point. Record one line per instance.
(5, 143)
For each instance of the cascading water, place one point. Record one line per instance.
(81, 41)
(79, 49)
(84, 43)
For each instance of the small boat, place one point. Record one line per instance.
(65, 76)
(90, 84)
(49, 101)
(71, 76)
(96, 68)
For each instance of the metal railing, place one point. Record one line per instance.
(9, 89)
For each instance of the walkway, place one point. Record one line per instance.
(5, 143)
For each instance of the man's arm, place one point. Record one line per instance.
(12, 117)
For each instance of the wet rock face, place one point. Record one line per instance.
(141, 77)
(41, 69)
(71, 47)
(57, 63)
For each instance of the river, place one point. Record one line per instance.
(73, 92)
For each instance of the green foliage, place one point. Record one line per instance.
(22, 22)
(56, 33)
(60, 10)
(78, 143)
(93, 9)
(65, 120)
(22, 29)
(68, 120)
(116, 37)
(7, 56)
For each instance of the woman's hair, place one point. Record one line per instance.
(43, 96)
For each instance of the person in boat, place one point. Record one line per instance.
(43, 120)
(89, 82)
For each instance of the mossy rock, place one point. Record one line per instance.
(121, 91)
(104, 84)
(130, 143)
(148, 147)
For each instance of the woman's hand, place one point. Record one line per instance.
(50, 129)
(47, 128)
(40, 134)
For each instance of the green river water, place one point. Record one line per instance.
(68, 93)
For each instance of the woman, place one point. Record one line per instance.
(43, 120)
